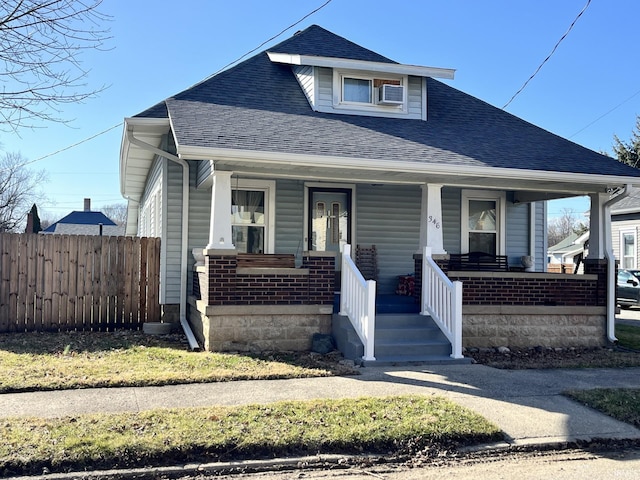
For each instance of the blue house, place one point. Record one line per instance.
(85, 222)
(279, 170)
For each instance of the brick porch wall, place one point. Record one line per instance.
(528, 288)
(223, 283)
(528, 309)
(261, 308)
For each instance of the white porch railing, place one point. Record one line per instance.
(442, 300)
(358, 302)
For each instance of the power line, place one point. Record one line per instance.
(605, 114)
(548, 56)
(212, 75)
(267, 41)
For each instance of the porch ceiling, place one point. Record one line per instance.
(549, 186)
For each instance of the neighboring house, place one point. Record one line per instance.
(85, 222)
(274, 167)
(568, 254)
(625, 225)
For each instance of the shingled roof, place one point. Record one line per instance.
(259, 106)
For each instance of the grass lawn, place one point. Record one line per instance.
(392, 425)
(52, 361)
(621, 404)
(628, 336)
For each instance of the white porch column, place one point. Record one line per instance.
(431, 219)
(220, 223)
(597, 229)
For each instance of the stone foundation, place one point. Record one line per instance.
(524, 327)
(245, 328)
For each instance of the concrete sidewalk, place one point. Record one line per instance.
(526, 404)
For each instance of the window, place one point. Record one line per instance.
(483, 220)
(359, 90)
(628, 249)
(251, 224)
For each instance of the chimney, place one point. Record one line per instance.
(87, 204)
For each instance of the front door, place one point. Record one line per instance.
(329, 219)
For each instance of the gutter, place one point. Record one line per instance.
(193, 343)
(611, 263)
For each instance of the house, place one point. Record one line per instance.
(277, 169)
(85, 222)
(625, 225)
(566, 256)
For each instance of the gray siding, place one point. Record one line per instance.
(199, 217)
(289, 217)
(540, 252)
(304, 75)
(518, 227)
(388, 216)
(325, 87)
(451, 212)
(414, 97)
(627, 225)
(172, 200)
(203, 171)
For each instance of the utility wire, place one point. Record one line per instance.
(212, 75)
(605, 114)
(267, 41)
(548, 56)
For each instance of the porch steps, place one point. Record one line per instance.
(400, 338)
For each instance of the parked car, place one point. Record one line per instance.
(628, 288)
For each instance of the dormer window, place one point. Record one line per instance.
(369, 91)
(357, 90)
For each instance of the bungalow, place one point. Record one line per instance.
(295, 170)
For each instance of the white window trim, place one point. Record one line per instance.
(338, 103)
(352, 220)
(269, 189)
(624, 232)
(501, 216)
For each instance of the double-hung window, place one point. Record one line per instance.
(251, 216)
(628, 240)
(483, 222)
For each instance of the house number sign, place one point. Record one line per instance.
(434, 221)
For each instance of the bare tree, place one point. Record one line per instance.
(41, 42)
(116, 212)
(20, 188)
(561, 227)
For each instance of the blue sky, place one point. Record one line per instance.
(161, 47)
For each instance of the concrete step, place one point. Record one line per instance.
(399, 338)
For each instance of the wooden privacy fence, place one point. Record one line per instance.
(74, 282)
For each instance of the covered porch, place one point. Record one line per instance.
(244, 307)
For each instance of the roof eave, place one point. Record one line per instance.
(336, 162)
(361, 65)
(131, 156)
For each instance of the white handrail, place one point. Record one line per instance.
(358, 302)
(442, 300)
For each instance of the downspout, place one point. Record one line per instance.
(611, 264)
(193, 343)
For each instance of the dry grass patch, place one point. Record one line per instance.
(52, 361)
(389, 425)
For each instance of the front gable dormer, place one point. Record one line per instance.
(358, 87)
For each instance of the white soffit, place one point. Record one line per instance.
(348, 64)
(135, 162)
